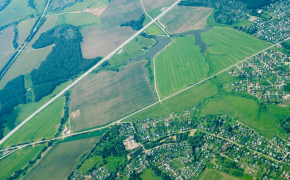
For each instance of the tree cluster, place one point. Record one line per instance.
(15, 38)
(31, 4)
(5, 4)
(257, 3)
(135, 24)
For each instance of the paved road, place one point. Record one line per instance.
(85, 74)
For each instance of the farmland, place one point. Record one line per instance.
(17, 160)
(149, 174)
(179, 65)
(188, 98)
(79, 19)
(61, 159)
(6, 48)
(226, 47)
(43, 125)
(24, 28)
(85, 4)
(151, 4)
(154, 30)
(101, 97)
(25, 63)
(185, 18)
(215, 175)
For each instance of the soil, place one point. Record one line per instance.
(75, 114)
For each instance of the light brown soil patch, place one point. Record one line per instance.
(192, 132)
(186, 18)
(108, 96)
(97, 11)
(152, 4)
(75, 114)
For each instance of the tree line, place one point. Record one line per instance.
(135, 24)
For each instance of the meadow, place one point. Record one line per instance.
(216, 175)
(85, 4)
(179, 65)
(106, 96)
(24, 28)
(25, 63)
(18, 160)
(84, 19)
(43, 125)
(185, 18)
(149, 174)
(226, 46)
(179, 103)
(60, 160)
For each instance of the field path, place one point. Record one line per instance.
(86, 73)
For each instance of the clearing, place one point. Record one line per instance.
(185, 18)
(216, 175)
(181, 64)
(108, 96)
(18, 160)
(60, 160)
(24, 28)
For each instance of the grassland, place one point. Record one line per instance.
(185, 18)
(86, 4)
(25, 63)
(179, 65)
(84, 19)
(18, 10)
(216, 175)
(6, 39)
(107, 96)
(43, 125)
(24, 28)
(60, 160)
(178, 103)
(149, 174)
(17, 160)
(226, 46)
(152, 4)
(154, 30)
(5, 56)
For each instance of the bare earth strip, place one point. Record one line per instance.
(104, 97)
(186, 18)
(152, 4)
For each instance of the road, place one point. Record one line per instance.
(86, 73)
(24, 45)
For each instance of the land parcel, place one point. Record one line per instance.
(6, 47)
(186, 18)
(106, 96)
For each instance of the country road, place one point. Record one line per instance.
(86, 73)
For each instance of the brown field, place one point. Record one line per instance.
(152, 4)
(98, 42)
(186, 18)
(101, 40)
(108, 96)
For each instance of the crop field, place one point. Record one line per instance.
(154, 30)
(185, 18)
(216, 175)
(17, 160)
(106, 96)
(152, 4)
(60, 160)
(6, 39)
(24, 28)
(15, 11)
(43, 125)
(226, 47)
(181, 64)
(178, 103)
(5, 58)
(149, 174)
(85, 4)
(25, 63)
(22, 111)
(48, 24)
(79, 19)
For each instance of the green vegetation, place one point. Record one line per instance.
(226, 46)
(257, 3)
(93, 162)
(15, 38)
(135, 24)
(60, 160)
(17, 160)
(149, 174)
(80, 5)
(153, 29)
(43, 125)
(24, 28)
(179, 65)
(216, 175)
(79, 19)
(188, 98)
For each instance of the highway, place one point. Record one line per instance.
(86, 73)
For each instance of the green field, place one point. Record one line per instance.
(24, 28)
(25, 63)
(216, 175)
(60, 160)
(79, 19)
(17, 160)
(154, 30)
(107, 96)
(18, 10)
(43, 125)
(149, 174)
(181, 64)
(178, 103)
(85, 4)
(226, 46)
